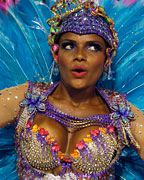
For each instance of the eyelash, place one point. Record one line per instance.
(97, 47)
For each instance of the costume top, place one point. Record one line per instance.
(95, 155)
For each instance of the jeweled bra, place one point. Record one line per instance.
(95, 155)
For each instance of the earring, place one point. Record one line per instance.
(56, 70)
(107, 74)
(107, 64)
(54, 51)
(55, 48)
(56, 58)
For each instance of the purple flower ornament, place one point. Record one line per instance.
(34, 101)
(122, 111)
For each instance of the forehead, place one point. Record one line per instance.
(81, 38)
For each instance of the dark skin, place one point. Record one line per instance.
(76, 96)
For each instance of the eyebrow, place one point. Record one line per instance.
(87, 42)
(69, 40)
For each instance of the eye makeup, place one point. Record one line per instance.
(94, 46)
(68, 45)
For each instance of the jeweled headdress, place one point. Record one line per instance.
(82, 17)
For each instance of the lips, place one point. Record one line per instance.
(79, 71)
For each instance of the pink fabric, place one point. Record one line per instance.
(5, 4)
(127, 2)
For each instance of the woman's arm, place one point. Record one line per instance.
(137, 128)
(9, 103)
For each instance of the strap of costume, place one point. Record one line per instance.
(118, 105)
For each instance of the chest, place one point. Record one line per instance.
(66, 137)
(49, 138)
(54, 144)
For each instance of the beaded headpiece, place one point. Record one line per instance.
(82, 17)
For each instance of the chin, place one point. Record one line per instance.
(79, 84)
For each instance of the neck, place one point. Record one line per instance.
(76, 96)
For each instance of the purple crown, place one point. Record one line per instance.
(85, 18)
(83, 22)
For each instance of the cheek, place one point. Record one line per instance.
(64, 59)
(98, 62)
(62, 63)
(97, 68)
(61, 58)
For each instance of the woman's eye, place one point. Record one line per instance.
(95, 47)
(67, 46)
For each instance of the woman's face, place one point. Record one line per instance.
(81, 59)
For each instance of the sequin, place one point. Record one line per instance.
(16, 97)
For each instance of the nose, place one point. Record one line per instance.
(80, 54)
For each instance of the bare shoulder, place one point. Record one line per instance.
(137, 128)
(9, 104)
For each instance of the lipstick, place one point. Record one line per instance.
(79, 71)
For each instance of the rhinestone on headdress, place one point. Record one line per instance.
(82, 17)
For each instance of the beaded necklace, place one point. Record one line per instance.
(72, 121)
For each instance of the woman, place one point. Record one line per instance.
(71, 129)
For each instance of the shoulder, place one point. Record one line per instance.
(39, 86)
(132, 118)
(36, 96)
(9, 104)
(111, 93)
(137, 128)
(113, 98)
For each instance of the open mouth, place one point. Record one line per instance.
(79, 71)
